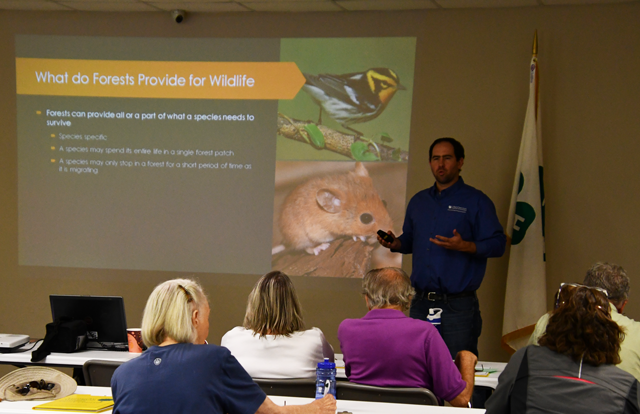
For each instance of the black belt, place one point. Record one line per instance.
(434, 296)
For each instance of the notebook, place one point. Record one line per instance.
(81, 403)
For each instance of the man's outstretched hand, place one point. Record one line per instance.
(454, 243)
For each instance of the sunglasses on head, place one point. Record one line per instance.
(36, 385)
(577, 285)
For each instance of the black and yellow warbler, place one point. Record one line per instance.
(353, 97)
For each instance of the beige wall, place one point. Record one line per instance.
(471, 83)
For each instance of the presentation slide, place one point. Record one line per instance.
(212, 155)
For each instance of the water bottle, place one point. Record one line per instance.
(435, 317)
(325, 379)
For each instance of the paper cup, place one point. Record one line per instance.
(136, 345)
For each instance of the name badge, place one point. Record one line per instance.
(457, 209)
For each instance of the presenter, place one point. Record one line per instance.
(451, 229)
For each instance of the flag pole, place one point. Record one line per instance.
(535, 59)
(525, 295)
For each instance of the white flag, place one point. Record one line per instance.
(526, 291)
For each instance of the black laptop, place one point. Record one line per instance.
(104, 316)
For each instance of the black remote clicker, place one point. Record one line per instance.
(385, 236)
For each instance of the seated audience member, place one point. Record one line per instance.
(573, 370)
(180, 374)
(615, 281)
(273, 343)
(388, 349)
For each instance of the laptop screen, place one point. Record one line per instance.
(104, 316)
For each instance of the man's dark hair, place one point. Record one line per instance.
(458, 149)
(610, 277)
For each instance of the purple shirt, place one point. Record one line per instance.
(388, 349)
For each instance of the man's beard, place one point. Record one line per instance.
(445, 179)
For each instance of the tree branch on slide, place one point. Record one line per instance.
(322, 137)
(344, 258)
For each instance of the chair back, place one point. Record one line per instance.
(359, 392)
(297, 387)
(98, 373)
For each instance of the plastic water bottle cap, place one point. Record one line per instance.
(326, 364)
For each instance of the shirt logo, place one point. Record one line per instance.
(457, 209)
(157, 361)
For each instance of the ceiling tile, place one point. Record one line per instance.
(211, 7)
(193, 1)
(485, 3)
(30, 5)
(559, 2)
(107, 5)
(292, 6)
(284, 1)
(100, 1)
(387, 4)
(279, 5)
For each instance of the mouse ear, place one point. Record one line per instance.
(361, 170)
(329, 201)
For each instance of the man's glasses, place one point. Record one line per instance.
(34, 385)
(576, 285)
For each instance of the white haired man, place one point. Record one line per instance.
(388, 349)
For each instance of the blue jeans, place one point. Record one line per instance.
(461, 321)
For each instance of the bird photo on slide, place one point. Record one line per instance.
(353, 97)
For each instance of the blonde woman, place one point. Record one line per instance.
(179, 373)
(273, 343)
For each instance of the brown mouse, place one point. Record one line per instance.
(325, 208)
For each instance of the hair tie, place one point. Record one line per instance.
(186, 292)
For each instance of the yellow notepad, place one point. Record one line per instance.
(81, 403)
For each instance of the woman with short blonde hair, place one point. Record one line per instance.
(168, 312)
(272, 342)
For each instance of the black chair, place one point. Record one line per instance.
(298, 387)
(360, 392)
(98, 373)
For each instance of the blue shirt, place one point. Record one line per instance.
(472, 214)
(184, 378)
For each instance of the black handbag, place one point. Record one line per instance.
(63, 335)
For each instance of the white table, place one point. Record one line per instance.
(72, 360)
(366, 407)
(355, 407)
(490, 381)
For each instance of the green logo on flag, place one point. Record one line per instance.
(524, 216)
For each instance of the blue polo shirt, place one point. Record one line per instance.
(184, 378)
(473, 215)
